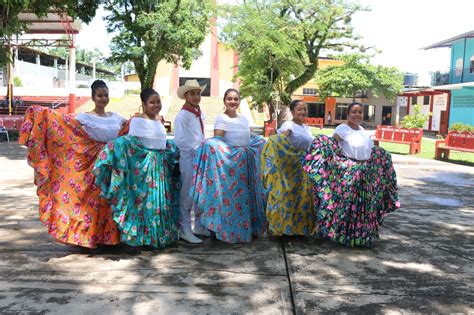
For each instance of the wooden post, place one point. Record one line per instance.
(10, 75)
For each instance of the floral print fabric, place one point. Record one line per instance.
(228, 193)
(62, 156)
(351, 197)
(141, 187)
(290, 201)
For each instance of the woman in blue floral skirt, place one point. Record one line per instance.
(228, 193)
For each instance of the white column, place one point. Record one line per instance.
(38, 60)
(55, 63)
(66, 76)
(72, 69)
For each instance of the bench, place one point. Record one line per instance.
(269, 128)
(458, 141)
(12, 122)
(314, 122)
(392, 134)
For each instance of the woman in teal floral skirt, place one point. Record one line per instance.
(135, 173)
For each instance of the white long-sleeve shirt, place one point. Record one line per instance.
(356, 144)
(188, 134)
(237, 130)
(151, 133)
(300, 135)
(99, 128)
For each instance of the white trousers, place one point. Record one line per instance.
(186, 160)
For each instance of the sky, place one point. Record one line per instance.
(399, 28)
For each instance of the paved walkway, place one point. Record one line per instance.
(423, 263)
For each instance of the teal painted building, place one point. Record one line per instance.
(460, 79)
(462, 61)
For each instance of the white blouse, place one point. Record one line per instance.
(101, 129)
(151, 133)
(188, 134)
(300, 135)
(237, 130)
(356, 144)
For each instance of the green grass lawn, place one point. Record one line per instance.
(427, 149)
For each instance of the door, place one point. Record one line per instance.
(387, 115)
(443, 123)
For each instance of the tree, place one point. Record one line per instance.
(279, 42)
(12, 26)
(355, 75)
(415, 120)
(153, 30)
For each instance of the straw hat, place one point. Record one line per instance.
(188, 86)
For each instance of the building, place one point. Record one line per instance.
(377, 109)
(451, 97)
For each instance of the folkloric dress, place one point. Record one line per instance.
(62, 150)
(352, 194)
(290, 201)
(228, 193)
(136, 175)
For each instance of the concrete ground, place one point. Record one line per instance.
(423, 262)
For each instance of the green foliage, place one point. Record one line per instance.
(356, 74)
(416, 120)
(461, 127)
(10, 25)
(279, 42)
(17, 82)
(153, 30)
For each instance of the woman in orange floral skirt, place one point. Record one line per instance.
(62, 150)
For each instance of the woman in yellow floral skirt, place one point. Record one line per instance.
(290, 201)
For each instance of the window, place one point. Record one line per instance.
(341, 112)
(369, 113)
(414, 100)
(316, 110)
(459, 65)
(426, 100)
(307, 91)
(361, 94)
(471, 68)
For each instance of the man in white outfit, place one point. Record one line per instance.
(189, 134)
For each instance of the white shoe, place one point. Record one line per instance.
(201, 230)
(188, 236)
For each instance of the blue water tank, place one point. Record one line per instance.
(410, 79)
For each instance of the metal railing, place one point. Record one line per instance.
(456, 75)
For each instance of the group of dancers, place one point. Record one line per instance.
(105, 180)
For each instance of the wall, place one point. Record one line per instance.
(462, 106)
(226, 68)
(200, 68)
(32, 74)
(457, 57)
(379, 102)
(468, 76)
